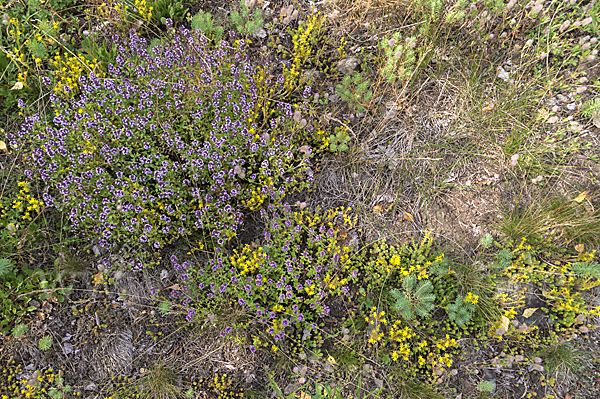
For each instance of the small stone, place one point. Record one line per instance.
(261, 34)
(90, 387)
(311, 75)
(538, 367)
(348, 65)
(537, 360)
(290, 388)
(67, 348)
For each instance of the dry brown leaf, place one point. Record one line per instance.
(98, 278)
(579, 248)
(528, 312)
(409, 217)
(3, 146)
(342, 235)
(581, 197)
(567, 396)
(377, 209)
(304, 395)
(488, 106)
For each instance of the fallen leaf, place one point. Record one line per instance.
(528, 312)
(505, 322)
(98, 278)
(409, 217)
(377, 209)
(17, 86)
(579, 248)
(3, 146)
(488, 106)
(567, 396)
(581, 197)
(342, 235)
(304, 395)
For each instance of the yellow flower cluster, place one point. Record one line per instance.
(395, 264)
(565, 300)
(121, 10)
(26, 203)
(143, 9)
(37, 387)
(305, 38)
(15, 32)
(402, 337)
(89, 148)
(404, 347)
(376, 319)
(70, 68)
(248, 260)
(341, 50)
(445, 343)
(438, 362)
(291, 78)
(257, 198)
(264, 92)
(472, 298)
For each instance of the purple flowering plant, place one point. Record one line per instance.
(285, 281)
(176, 138)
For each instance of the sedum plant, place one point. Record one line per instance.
(175, 140)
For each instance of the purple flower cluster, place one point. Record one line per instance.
(166, 144)
(283, 284)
